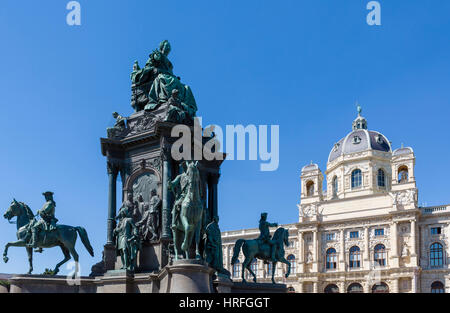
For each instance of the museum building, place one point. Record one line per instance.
(364, 232)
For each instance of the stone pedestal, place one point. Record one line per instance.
(50, 284)
(152, 257)
(239, 287)
(115, 281)
(3, 289)
(123, 281)
(186, 276)
(222, 285)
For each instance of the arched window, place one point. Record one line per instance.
(331, 259)
(380, 288)
(310, 188)
(436, 255)
(331, 288)
(335, 186)
(355, 257)
(291, 289)
(437, 287)
(356, 178)
(291, 260)
(355, 288)
(237, 269)
(381, 178)
(254, 266)
(380, 255)
(403, 174)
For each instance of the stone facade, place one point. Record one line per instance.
(361, 229)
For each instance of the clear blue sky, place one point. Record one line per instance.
(299, 64)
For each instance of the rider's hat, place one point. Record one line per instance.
(264, 214)
(48, 193)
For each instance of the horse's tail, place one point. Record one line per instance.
(85, 240)
(236, 250)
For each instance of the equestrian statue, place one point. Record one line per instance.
(44, 233)
(263, 248)
(187, 211)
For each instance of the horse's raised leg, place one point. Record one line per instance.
(5, 253)
(274, 264)
(18, 243)
(66, 253)
(30, 258)
(282, 259)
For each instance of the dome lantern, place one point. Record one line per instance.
(360, 122)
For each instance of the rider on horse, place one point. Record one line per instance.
(47, 222)
(264, 236)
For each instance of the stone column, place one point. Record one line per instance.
(300, 287)
(315, 257)
(414, 283)
(366, 287)
(342, 252)
(413, 252)
(301, 252)
(315, 287)
(212, 194)
(366, 260)
(342, 287)
(394, 245)
(395, 285)
(413, 237)
(112, 176)
(167, 196)
(225, 253)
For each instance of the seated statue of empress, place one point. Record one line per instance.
(165, 82)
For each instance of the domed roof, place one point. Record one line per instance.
(402, 150)
(310, 167)
(360, 139)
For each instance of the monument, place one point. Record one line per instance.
(263, 248)
(165, 235)
(167, 203)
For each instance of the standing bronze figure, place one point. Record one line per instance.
(127, 239)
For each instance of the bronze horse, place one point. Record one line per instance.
(254, 249)
(64, 236)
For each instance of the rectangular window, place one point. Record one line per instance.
(379, 232)
(435, 230)
(330, 236)
(354, 234)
